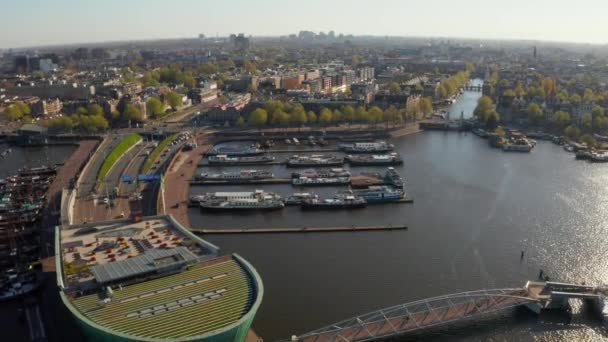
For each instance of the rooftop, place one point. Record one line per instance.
(206, 297)
(153, 280)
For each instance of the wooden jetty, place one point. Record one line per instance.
(297, 229)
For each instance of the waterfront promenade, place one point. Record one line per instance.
(174, 198)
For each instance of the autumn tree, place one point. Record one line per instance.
(174, 100)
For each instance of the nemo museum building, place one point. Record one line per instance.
(153, 280)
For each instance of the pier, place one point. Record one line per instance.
(241, 182)
(297, 229)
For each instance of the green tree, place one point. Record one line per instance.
(298, 116)
(14, 112)
(23, 107)
(174, 100)
(426, 105)
(82, 111)
(95, 110)
(62, 123)
(485, 106)
(535, 113)
(189, 82)
(250, 67)
(226, 64)
(132, 113)
(259, 118)
(390, 115)
(375, 114)
(572, 132)
(561, 119)
(337, 116)
(492, 120)
(325, 117)
(576, 99)
(155, 107)
(587, 121)
(348, 113)
(280, 118)
(394, 88)
(208, 69)
(311, 117)
(361, 114)
(240, 121)
(588, 140)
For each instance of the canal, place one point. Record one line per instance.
(475, 210)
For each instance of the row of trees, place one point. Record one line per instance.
(156, 106)
(452, 84)
(171, 75)
(277, 113)
(90, 119)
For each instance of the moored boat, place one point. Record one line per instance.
(374, 159)
(380, 194)
(242, 201)
(366, 147)
(227, 160)
(239, 176)
(297, 198)
(314, 160)
(392, 177)
(235, 151)
(342, 200)
(319, 181)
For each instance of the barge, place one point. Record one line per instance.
(374, 159)
(229, 161)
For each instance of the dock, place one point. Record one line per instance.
(310, 150)
(297, 229)
(241, 182)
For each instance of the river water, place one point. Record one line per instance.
(475, 209)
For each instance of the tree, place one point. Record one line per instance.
(280, 118)
(426, 105)
(588, 96)
(240, 121)
(155, 107)
(82, 111)
(311, 117)
(588, 140)
(258, 118)
(62, 123)
(226, 64)
(298, 116)
(375, 114)
(535, 113)
(575, 98)
(485, 106)
(587, 121)
(23, 107)
(99, 122)
(14, 112)
(189, 82)
(394, 88)
(132, 113)
(208, 69)
(348, 113)
(509, 93)
(561, 118)
(500, 132)
(250, 67)
(174, 100)
(390, 115)
(572, 132)
(361, 114)
(492, 120)
(336, 116)
(95, 110)
(325, 117)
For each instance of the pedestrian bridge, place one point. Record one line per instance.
(442, 310)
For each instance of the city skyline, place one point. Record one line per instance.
(63, 22)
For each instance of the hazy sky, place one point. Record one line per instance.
(46, 22)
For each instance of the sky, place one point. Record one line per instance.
(51, 22)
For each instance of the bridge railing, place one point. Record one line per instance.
(418, 315)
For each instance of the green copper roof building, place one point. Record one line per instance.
(154, 280)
